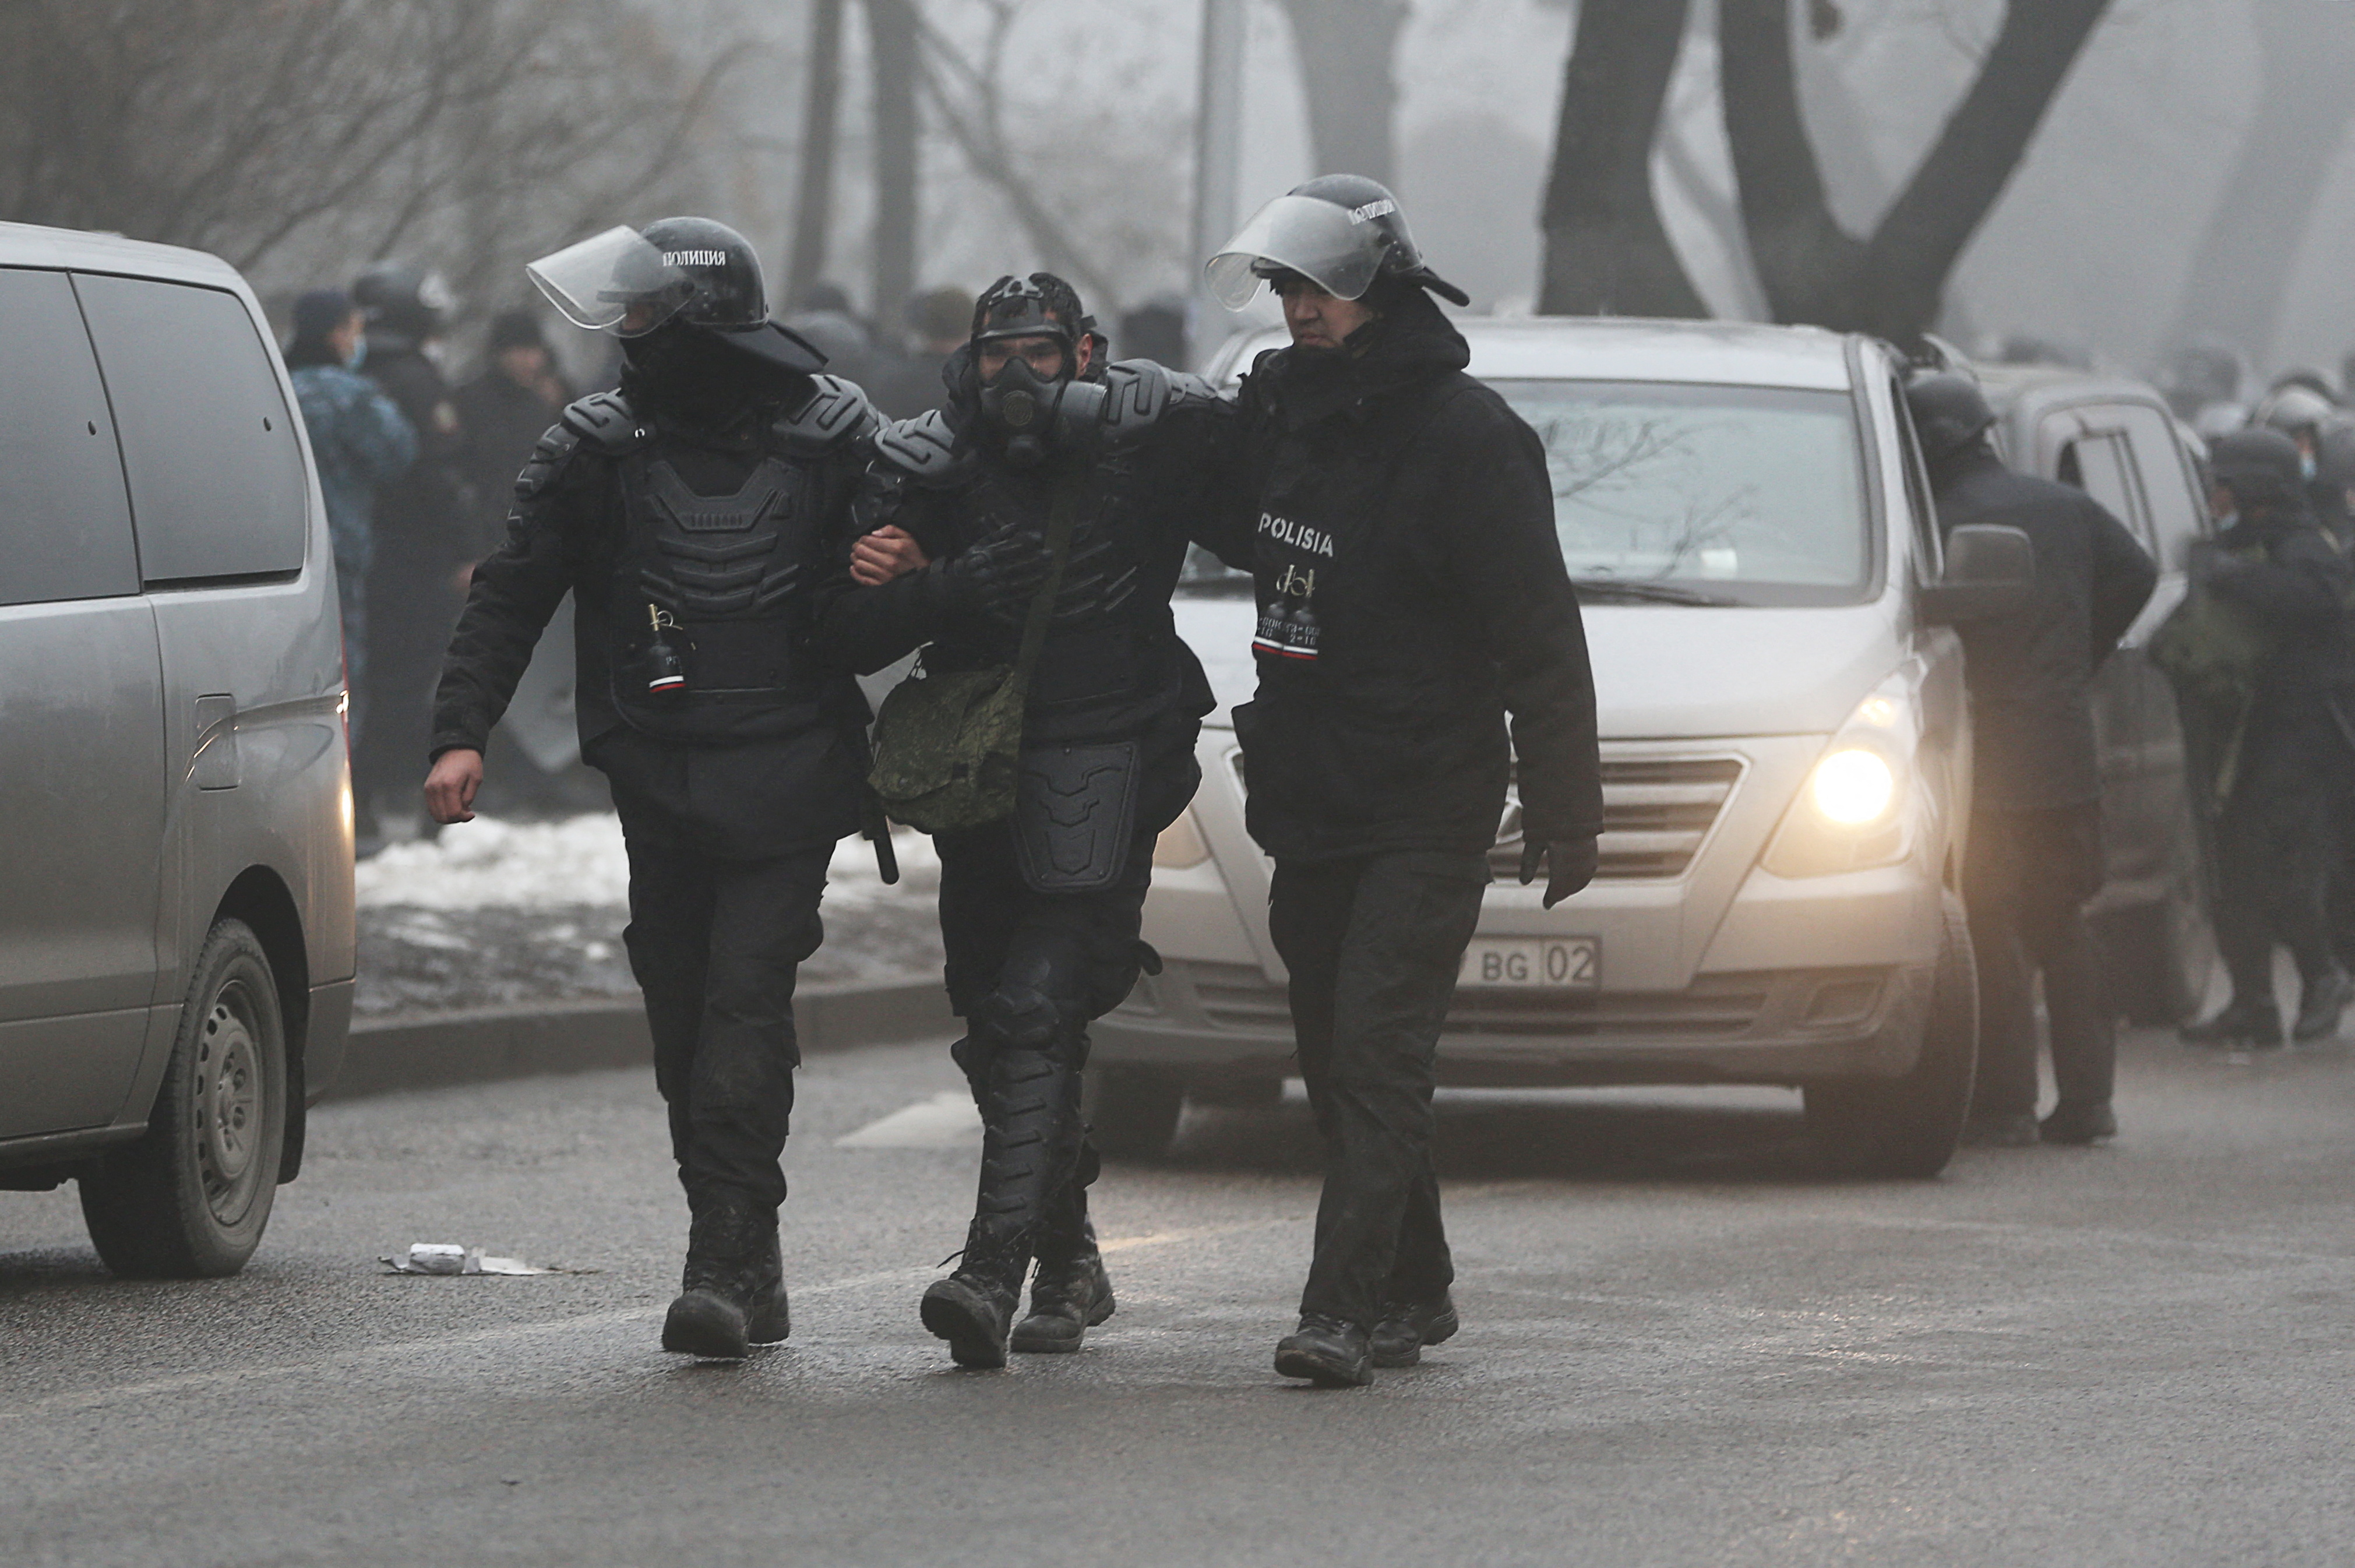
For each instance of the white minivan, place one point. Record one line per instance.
(176, 940)
(1785, 763)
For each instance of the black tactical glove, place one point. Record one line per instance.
(1570, 865)
(997, 577)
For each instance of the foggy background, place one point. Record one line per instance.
(302, 141)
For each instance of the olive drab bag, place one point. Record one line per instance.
(948, 746)
(2212, 650)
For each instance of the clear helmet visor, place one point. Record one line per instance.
(1336, 249)
(615, 282)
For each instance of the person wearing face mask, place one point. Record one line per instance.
(687, 513)
(2274, 687)
(2302, 411)
(1400, 524)
(360, 442)
(1057, 492)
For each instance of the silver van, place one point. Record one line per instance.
(1787, 761)
(175, 896)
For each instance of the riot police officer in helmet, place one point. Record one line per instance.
(1042, 444)
(686, 514)
(2286, 718)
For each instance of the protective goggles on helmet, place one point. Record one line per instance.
(617, 282)
(1338, 248)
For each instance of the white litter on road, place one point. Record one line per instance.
(488, 864)
(446, 1257)
(947, 1120)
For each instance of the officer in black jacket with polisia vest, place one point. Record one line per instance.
(1412, 595)
(688, 515)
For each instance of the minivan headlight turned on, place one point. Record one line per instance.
(1854, 810)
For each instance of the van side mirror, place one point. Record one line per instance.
(1990, 573)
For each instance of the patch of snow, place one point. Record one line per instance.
(490, 864)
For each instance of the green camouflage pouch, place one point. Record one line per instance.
(948, 746)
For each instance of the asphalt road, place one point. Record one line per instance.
(1679, 1348)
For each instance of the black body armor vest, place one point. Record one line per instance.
(711, 603)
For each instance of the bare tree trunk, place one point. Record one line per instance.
(1606, 252)
(892, 27)
(814, 203)
(2241, 269)
(1345, 50)
(1812, 269)
(1923, 236)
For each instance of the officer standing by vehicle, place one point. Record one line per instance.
(424, 534)
(687, 514)
(2270, 606)
(2300, 411)
(1040, 911)
(2036, 794)
(1411, 594)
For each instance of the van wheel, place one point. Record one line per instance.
(1908, 1126)
(1133, 1111)
(2157, 959)
(189, 1200)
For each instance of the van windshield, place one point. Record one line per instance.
(1704, 495)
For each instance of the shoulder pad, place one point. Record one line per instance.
(548, 457)
(1140, 393)
(606, 421)
(835, 413)
(923, 448)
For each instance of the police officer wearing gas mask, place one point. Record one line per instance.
(1412, 595)
(687, 515)
(1041, 912)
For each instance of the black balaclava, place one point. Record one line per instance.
(699, 376)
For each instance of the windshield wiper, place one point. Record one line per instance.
(1642, 590)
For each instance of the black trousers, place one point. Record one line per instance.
(715, 942)
(1028, 970)
(2030, 874)
(2277, 847)
(1374, 945)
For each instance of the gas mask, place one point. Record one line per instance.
(1021, 410)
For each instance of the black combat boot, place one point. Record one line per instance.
(1330, 1352)
(1406, 1327)
(2319, 1004)
(2078, 1122)
(733, 1295)
(1070, 1294)
(1029, 1147)
(2241, 1026)
(973, 1309)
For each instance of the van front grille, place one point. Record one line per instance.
(1657, 812)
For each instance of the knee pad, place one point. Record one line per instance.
(1026, 1017)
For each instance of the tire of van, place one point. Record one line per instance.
(1132, 1112)
(189, 1200)
(1908, 1126)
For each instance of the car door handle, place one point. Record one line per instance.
(215, 766)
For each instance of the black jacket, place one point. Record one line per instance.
(2030, 674)
(2283, 566)
(424, 523)
(1400, 524)
(567, 534)
(1112, 665)
(503, 420)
